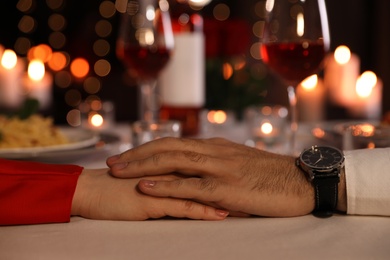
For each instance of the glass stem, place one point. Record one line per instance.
(292, 98)
(148, 107)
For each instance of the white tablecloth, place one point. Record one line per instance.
(339, 237)
(308, 237)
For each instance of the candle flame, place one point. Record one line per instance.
(366, 83)
(9, 59)
(36, 70)
(342, 54)
(318, 132)
(365, 130)
(266, 128)
(96, 120)
(310, 82)
(218, 117)
(269, 5)
(199, 3)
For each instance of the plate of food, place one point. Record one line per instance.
(36, 135)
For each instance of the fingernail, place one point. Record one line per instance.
(119, 166)
(148, 183)
(222, 213)
(113, 158)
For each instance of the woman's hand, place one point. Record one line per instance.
(220, 173)
(99, 195)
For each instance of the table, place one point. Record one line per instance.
(307, 237)
(339, 237)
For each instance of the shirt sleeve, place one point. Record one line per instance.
(33, 192)
(367, 174)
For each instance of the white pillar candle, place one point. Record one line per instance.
(368, 97)
(340, 73)
(38, 83)
(11, 71)
(311, 99)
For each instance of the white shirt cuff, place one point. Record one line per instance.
(367, 174)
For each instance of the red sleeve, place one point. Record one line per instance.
(32, 192)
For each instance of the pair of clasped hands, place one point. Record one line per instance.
(207, 179)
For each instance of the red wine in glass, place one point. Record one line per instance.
(144, 45)
(293, 61)
(145, 63)
(294, 40)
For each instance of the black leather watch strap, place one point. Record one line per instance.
(326, 194)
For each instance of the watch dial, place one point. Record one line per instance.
(322, 157)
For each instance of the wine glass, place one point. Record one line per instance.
(144, 45)
(293, 45)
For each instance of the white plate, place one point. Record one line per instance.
(79, 138)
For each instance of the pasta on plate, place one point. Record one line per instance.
(35, 131)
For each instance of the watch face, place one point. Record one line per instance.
(322, 157)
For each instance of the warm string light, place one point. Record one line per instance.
(67, 69)
(81, 68)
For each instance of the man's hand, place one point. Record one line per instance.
(220, 173)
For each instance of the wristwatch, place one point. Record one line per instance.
(322, 166)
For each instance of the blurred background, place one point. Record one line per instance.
(83, 36)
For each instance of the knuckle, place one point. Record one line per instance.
(178, 183)
(188, 205)
(195, 157)
(156, 159)
(207, 184)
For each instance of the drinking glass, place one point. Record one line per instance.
(144, 45)
(293, 45)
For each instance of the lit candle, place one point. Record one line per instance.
(266, 127)
(368, 97)
(38, 83)
(217, 117)
(11, 70)
(97, 115)
(266, 132)
(267, 123)
(95, 120)
(311, 99)
(340, 74)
